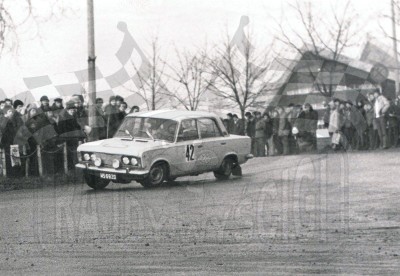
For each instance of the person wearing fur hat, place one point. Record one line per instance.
(57, 107)
(44, 103)
(17, 115)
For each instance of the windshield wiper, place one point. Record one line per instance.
(127, 132)
(151, 136)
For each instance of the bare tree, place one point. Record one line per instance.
(240, 72)
(192, 78)
(150, 77)
(320, 35)
(16, 15)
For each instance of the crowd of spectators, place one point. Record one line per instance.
(50, 126)
(363, 125)
(277, 131)
(366, 124)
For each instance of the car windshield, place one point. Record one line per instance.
(147, 128)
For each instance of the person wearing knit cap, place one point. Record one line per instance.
(44, 103)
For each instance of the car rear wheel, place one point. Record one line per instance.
(96, 182)
(225, 171)
(156, 176)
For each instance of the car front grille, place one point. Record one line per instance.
(107, 159)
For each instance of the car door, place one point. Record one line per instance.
(214, 144)
(188, 148)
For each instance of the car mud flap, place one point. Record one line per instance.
(237, 170)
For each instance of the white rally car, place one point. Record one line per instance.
(156, 146)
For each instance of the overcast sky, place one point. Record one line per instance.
(62, 46)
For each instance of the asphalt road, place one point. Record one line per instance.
(333, 214)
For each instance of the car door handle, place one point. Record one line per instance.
(223, 143)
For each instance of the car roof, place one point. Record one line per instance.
(173, 114)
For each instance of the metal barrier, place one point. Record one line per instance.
(38, 152)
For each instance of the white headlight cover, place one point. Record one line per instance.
(97, 162)
(115, 163)
(86, 157)
(134, 161)
(125, 160)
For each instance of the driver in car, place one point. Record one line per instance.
(161, 132)
(188, 131)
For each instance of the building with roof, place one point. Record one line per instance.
(314, 79)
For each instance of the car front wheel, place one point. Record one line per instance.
(225, 171)
(156, 176)
(96, 182)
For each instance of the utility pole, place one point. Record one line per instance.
(396, 59)
(93, 136)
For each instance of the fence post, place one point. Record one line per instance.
(65, 158)
(3, 161)
(40, 164)
(27, 160)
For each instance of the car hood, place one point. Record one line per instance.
(123, 146)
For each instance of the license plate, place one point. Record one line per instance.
(108, 176)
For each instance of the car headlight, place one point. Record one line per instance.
(86, 156)
(134, 161)
(125, 160)
(115, 163)
(97, 162)
(93, 157)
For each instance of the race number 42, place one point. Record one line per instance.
(189, 153)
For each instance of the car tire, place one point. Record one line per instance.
(156, 176)
(225, 171)
(96, 182)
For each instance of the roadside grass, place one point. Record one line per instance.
(34, 182)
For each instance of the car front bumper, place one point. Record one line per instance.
(134, 174)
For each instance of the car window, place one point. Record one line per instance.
(148, 128)
(208, 128)
(188, 130)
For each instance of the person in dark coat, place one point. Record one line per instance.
(57, 107)
(251, 129)
(122, 112)
(100, 127)
(268, 132)
(393, 114)
(277, 145)
(284, 129)
(238, 126)
(111, 113)
(70, 132)
(7, 139)
(44, 103)
(307, 124)
(16, 118)
(229, 123)
(371, 133)
(43, 133)
(81, 113)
